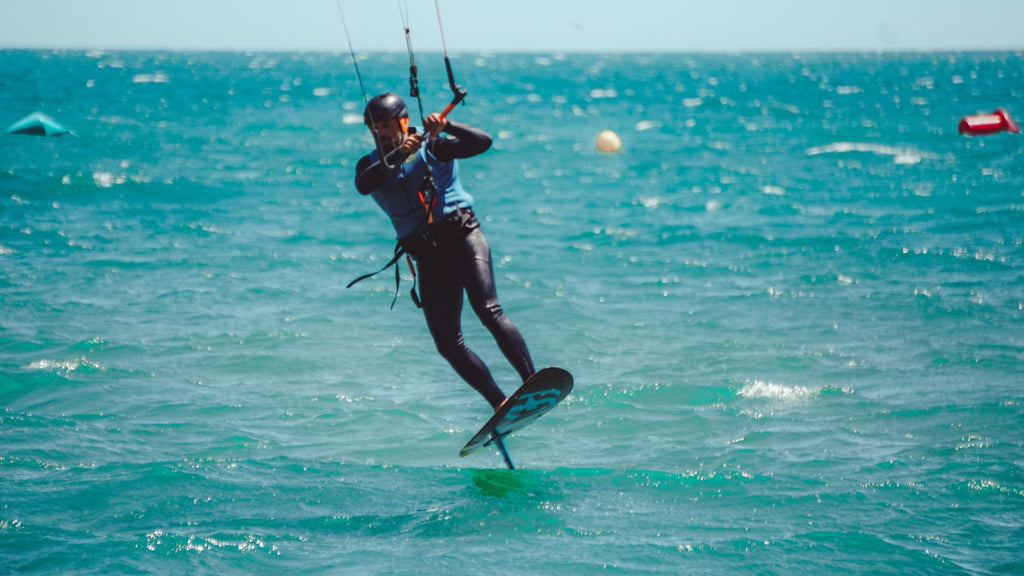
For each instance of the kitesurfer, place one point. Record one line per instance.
(414, 178)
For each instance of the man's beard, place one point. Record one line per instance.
(389, 145)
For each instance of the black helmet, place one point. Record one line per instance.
(386, 106)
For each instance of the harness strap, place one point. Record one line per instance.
(399, 252)
(425, 238)
(428, 196)
(415, 282)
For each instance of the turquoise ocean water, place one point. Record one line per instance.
(792, 303)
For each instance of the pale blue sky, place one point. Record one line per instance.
(518, 25)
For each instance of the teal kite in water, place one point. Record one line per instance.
(38, 124)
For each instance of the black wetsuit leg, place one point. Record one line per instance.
(465, 266)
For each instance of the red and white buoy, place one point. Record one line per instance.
(982, 124)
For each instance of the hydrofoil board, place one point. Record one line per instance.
(536, 397)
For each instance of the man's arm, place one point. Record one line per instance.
(370, 176)
(462, 141)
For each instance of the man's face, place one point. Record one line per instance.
(390, 133)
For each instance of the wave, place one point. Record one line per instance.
(45, 365)
(904, 156)
(785, 392)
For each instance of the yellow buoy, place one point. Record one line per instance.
(608, 141)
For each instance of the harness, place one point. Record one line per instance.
(399, 252)
(424, 243)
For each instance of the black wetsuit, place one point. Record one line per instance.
(434, 219)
